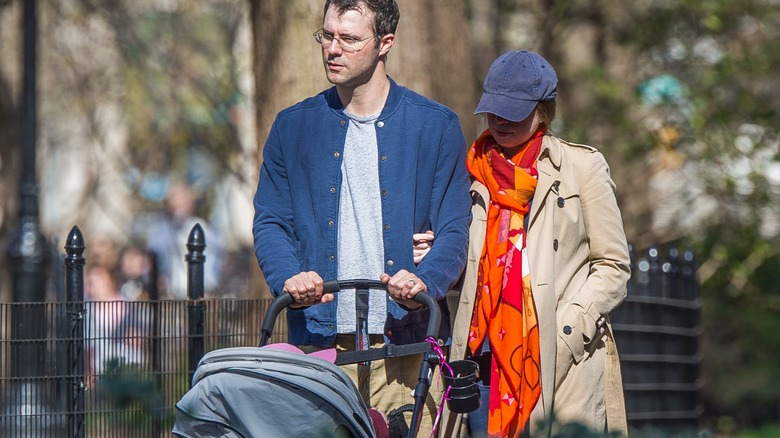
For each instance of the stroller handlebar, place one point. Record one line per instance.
(333, 286)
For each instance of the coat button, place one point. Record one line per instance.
(343, 122)
(555, 245)
(561, 202)
(333, 190)
(336, 154)
(390, 263)
(380, 124)
(567, 330)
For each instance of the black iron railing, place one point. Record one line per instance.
(117, 368)
(657, 330)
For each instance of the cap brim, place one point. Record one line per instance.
(508, 108)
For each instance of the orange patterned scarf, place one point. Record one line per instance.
(504, 310)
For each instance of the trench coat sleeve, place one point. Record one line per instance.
(605, 287)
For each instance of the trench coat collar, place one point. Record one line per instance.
(548, 165)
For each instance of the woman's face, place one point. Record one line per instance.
(510, 134)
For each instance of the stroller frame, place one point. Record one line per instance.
(217, 370)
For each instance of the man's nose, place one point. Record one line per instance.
(335, 42)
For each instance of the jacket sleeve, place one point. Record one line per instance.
(273, 222)
(605, 287)
(450, 215)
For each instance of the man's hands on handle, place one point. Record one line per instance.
(306, 289)
(403, 286)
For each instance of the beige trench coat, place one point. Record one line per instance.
(579, 263)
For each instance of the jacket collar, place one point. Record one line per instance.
(394, 98)
(551, 152)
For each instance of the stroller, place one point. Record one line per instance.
(276, 390)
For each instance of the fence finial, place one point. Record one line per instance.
(75, 243)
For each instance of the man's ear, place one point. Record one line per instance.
(386, 43)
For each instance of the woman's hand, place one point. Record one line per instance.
(422, 244)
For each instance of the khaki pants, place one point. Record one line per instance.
(392, 381)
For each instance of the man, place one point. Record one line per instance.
(348, 177)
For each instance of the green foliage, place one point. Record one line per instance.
(181, 92)
(724, 55)
(128, 389)
(740, 320)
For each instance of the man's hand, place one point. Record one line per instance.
(422, 244)
(403, 286)
(306, 289)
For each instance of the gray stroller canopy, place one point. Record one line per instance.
(264, 392)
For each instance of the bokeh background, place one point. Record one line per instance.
(681, 96)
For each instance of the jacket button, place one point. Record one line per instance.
(555, 245)
(387, 227)
(330, 222)
(331, 258)
(561, 202)
(390, 263)
(380, 124)
(343, 122)
(336, 154)
(333, 190)
(383, 157)
(567, 330)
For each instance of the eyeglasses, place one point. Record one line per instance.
(347, 43)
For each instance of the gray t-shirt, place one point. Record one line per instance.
(360, 246)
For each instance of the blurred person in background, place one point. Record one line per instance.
(167, 238)
(135, 273)
(115, 329)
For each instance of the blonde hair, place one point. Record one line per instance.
(546, 110)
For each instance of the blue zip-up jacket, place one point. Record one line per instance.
(424, 185)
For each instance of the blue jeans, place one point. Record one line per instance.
(478, 419)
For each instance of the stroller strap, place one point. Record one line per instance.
(390, 350)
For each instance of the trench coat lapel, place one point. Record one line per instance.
(549, 167)
(540, 252)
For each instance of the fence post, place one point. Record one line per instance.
(74, 289)
(195, 291)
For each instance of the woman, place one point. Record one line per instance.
(548, 260)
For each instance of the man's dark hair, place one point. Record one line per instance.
(386, 14)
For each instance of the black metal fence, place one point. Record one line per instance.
(117, 368)
(657, 330)
(112, 368)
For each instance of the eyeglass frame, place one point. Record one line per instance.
(320, 36)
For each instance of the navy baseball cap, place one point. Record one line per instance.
(515, 83)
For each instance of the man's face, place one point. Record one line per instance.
(341, 67)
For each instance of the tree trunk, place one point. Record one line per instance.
(431, 56)
(10, 146)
